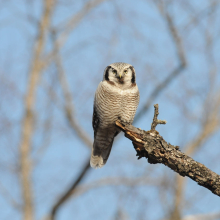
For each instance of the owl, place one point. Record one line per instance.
(116, 97)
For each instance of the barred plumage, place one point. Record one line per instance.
(117, 96)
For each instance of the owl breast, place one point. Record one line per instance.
(112, 103)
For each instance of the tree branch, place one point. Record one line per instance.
(69, 26)
(155, 120)
(59, 42)
(68, 192)
(69, 107)
(176, 71)
(28, 120)
(151, 145)
(69, 110)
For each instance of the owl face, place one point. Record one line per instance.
(121, 74)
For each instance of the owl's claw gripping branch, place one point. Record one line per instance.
(150, 144)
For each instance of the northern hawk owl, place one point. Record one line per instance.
(116, 97)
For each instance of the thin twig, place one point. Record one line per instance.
(116, 181)
(4, 192)
(155, 120)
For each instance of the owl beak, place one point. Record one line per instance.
(120, 76)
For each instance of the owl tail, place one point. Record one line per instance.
(100, 153)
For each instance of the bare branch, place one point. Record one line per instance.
(67, 94)
(151, 145)
(209, 216)
(116, 181)
(69, 192)
(175, 212)
(69, 109)
(210, 125)
(4, 192)
(155, 120)
(28, 120)
(69, 26)
(174, 73)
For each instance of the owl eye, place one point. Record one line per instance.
(114, 71)
(125, 71)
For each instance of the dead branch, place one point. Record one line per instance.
(155, 120)
(151, 145)
(209, 126)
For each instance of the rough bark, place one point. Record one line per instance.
(150, 144)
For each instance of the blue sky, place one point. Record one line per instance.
(127, 31)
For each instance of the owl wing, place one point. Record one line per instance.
(104, 127)
(95, 120)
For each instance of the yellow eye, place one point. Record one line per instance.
(114, 71)
(126, 71)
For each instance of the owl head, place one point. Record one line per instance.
(121, 74)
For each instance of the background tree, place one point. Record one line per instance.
(52, 57)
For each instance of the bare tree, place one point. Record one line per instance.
(51, 60)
